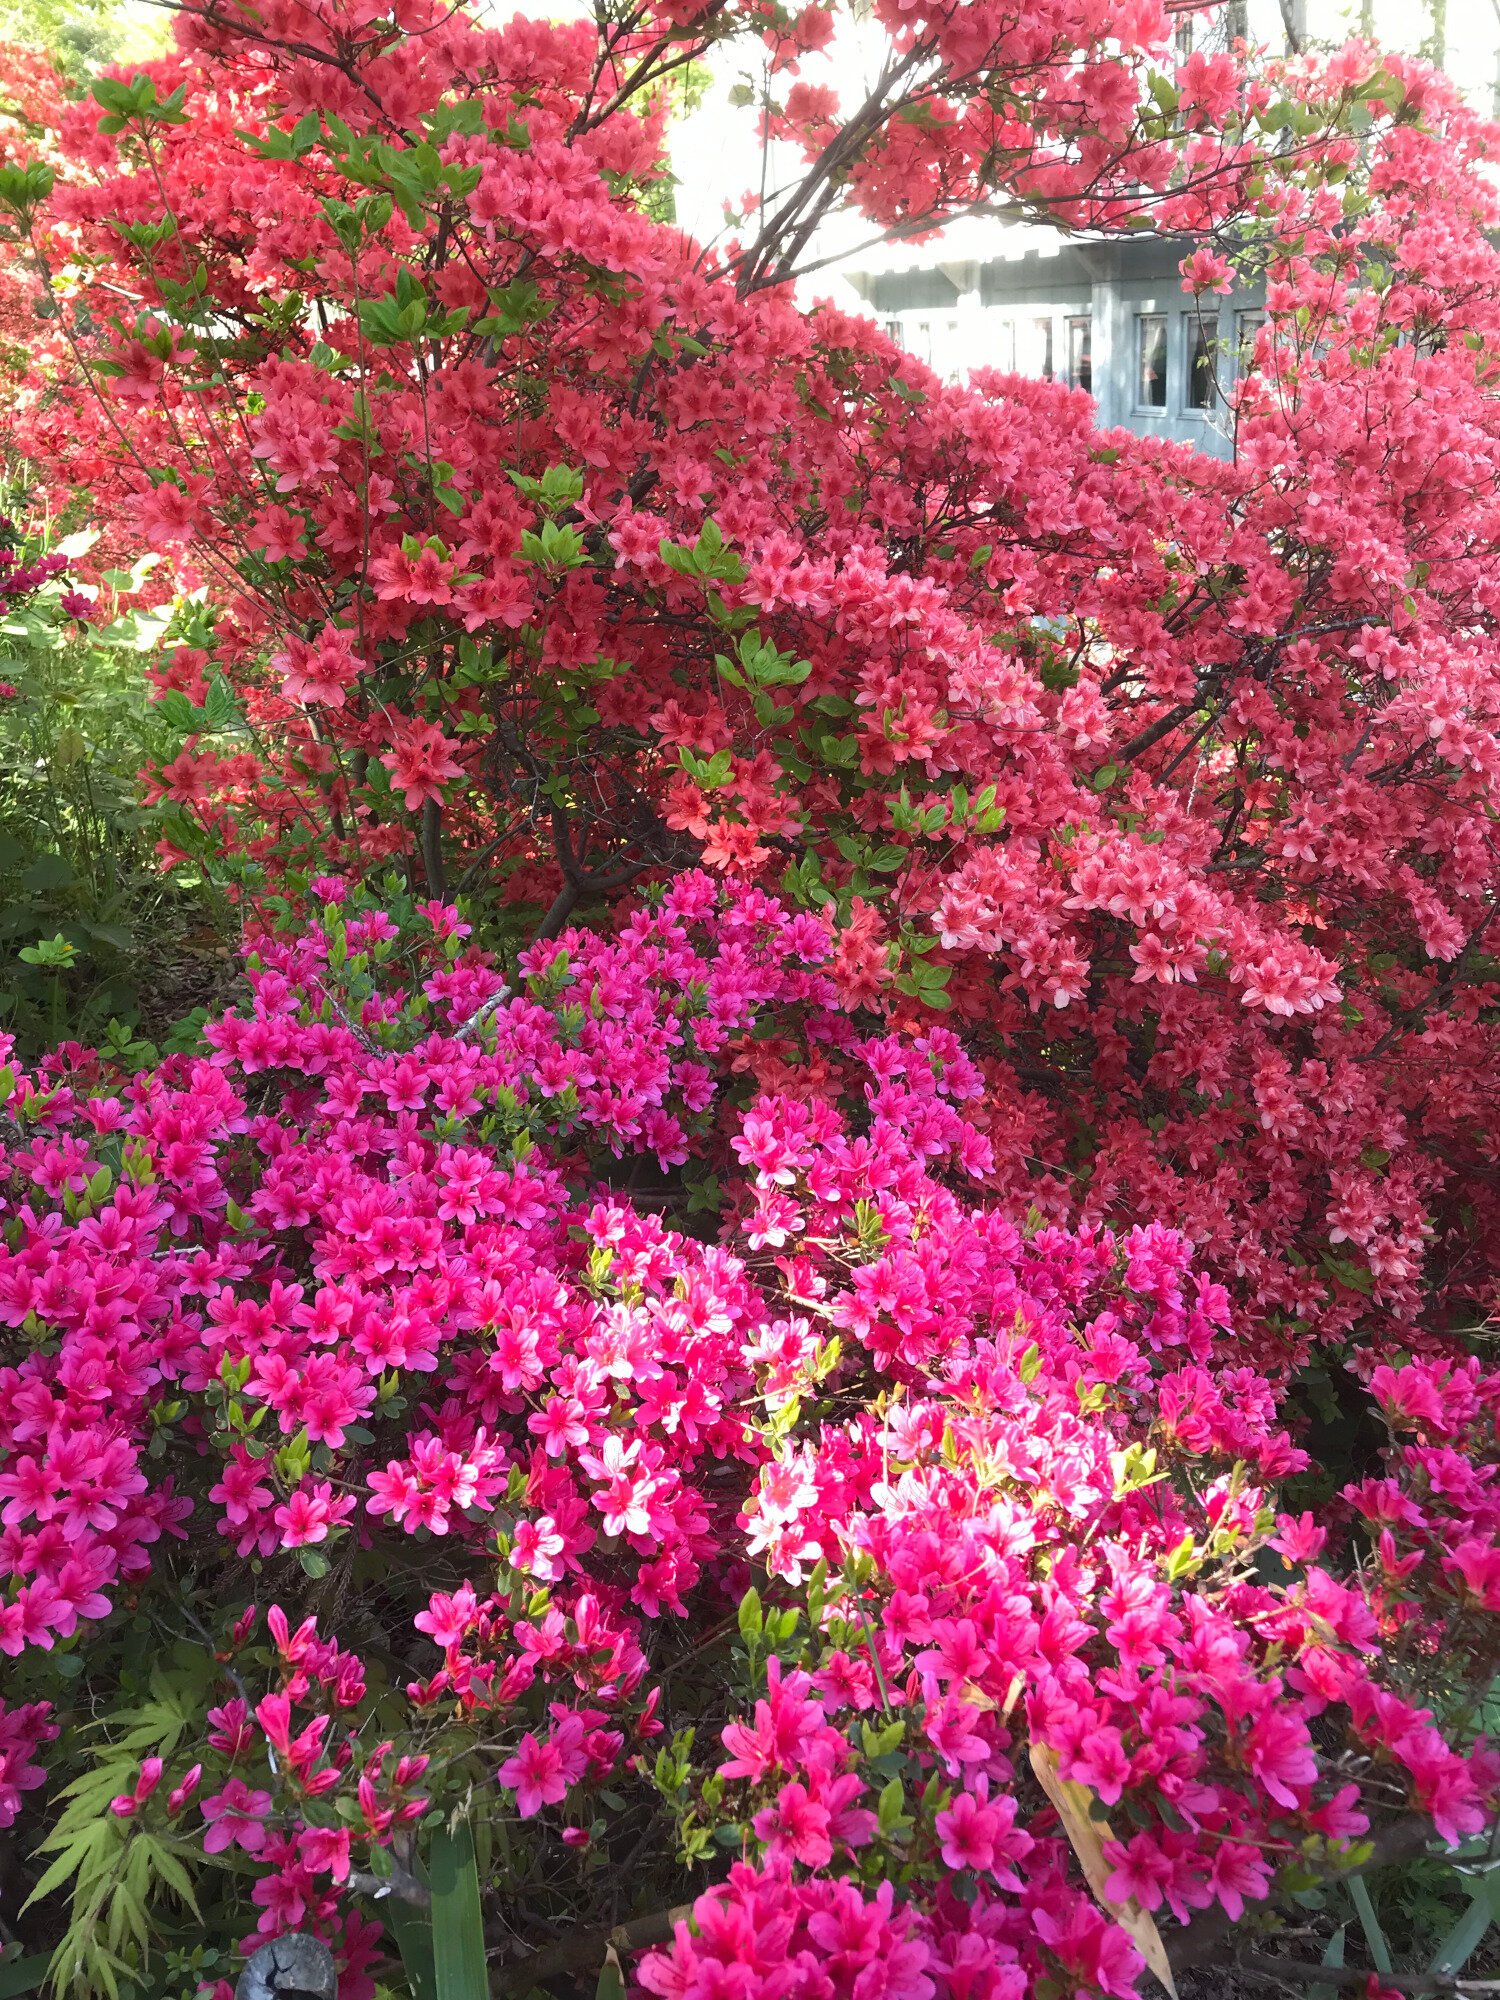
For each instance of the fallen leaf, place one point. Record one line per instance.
(1086, 1836)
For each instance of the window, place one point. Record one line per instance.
(1034, 347)
(1203, 360)
(1044, 339)
(1151, 385)
(1003, 346)
(1081, 353)
(1250, 324)
(893, 331)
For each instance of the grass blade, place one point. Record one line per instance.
(1459, 1946)
(457, 1926)
(1364, 1909)
(1333, 1955)
(1466, 1936)
(412, 1930)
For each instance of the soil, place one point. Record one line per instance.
(185, 974)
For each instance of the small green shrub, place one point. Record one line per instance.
(95, 939)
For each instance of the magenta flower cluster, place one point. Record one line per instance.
(1010, 1492)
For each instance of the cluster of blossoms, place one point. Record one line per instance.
(23, 575)
(19, 578)
(1226, 923)
(378, 1222)
(354, 1281)
(769, 1934)
(22, 1732)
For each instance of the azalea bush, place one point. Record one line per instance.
(866, 1006)
(372, 1468)
(553, 556)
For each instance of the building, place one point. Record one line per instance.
(1109, 317)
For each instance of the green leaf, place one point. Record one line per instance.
(48, 951)
(880, 1742)
(111, 95)
(457, 1925)
(114, 935)
(75, 1857)
(1466, 1936)
(751, 1620)
(1390, 90)
(1333, 1955)
(1354, 1277)
(889, 1814)
(172, 1872)
(412, 1930)
(1183, 1558)
(47, 872)
(218, 704)
(1369, 1923)
(22, 1975)
(178, 712)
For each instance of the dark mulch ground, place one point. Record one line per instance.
(187, 973)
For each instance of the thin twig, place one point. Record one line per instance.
(1205, 1937)
(1292, 1972)
(586, 1950)
(403, 1886)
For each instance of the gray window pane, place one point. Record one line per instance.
(1151, 391)
(1081, 354)
(1034, 347)
(1203, 360)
